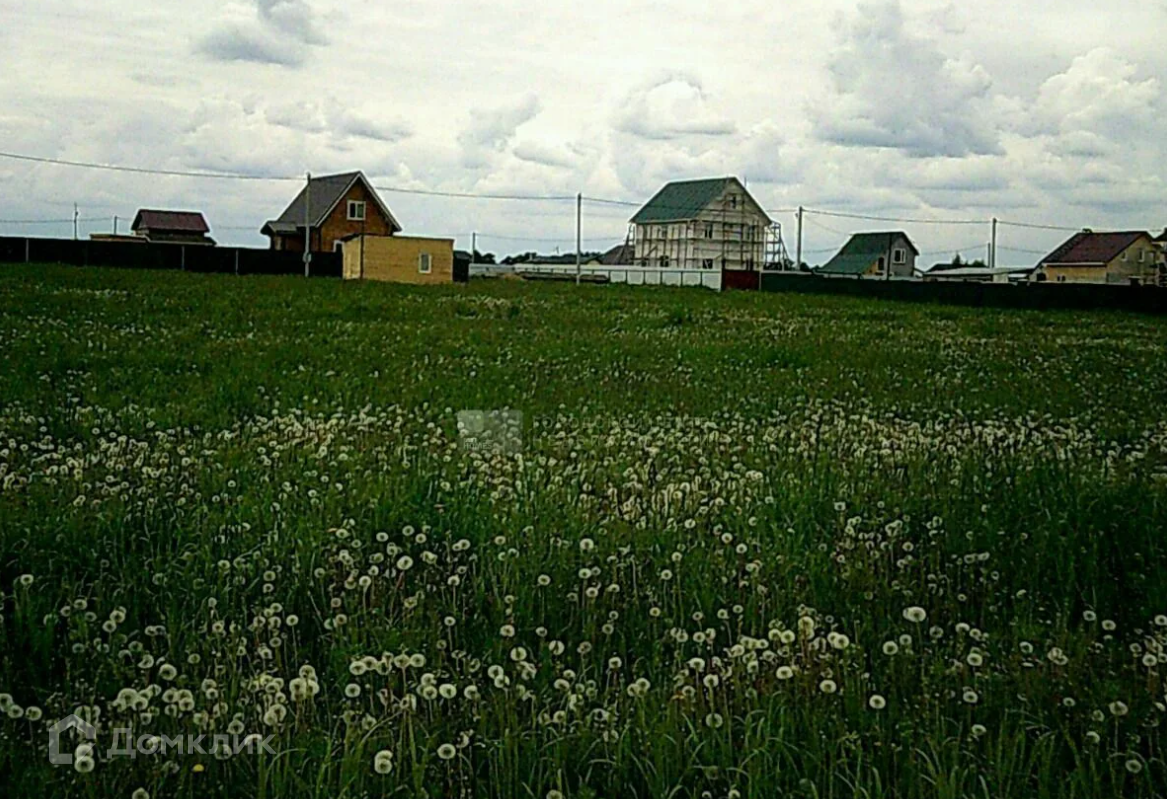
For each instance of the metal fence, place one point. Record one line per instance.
(1080, 296)
(188, 258)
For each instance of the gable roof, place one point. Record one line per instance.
(620, 255)
(177, 221)
(682, 200)
(862, 251)
(326, 193)
(1093, 248)
(1162, 237)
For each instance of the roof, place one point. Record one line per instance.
(862, 251)
(976, 271)
(1093, 248)
(682, 200)
(179, 221)
(620, 255)
(1162, 237)
(326, 192)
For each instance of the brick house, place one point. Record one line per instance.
(338, 207)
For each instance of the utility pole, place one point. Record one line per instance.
(798, 257)
(993, 246)
(74, 221)
(578, 237)
(308, 225)
(473, 248)
(115, 225)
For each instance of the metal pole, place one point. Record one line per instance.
(236, 263)
(993, 246)
(115, 225)
(74, 221)
(578, 237)
(307, 224)
(473, 248)
(798, 256)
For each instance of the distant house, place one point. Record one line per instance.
(1130, 257)
(943, 273)
(885, 254)
(333, 207)
(620, 255)
(701, 224)
(172, 227)
(1161, 240)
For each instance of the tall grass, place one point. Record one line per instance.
(752, 546)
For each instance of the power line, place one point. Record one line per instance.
(1020, 249)
(1039, 227)
(897, 219)
(980, 246)
(471, 196)
(52, 221)
(141, 170)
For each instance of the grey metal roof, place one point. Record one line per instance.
(326, 192)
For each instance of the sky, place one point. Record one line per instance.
(1049, 112)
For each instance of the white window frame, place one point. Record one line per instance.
(425, 263)
(899, 256)
(357, 210)
(337, 245)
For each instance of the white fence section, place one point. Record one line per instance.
(632, 275)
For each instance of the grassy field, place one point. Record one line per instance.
(751, 546)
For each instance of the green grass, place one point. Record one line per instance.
(710, 486)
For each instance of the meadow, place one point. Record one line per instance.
(750, 545)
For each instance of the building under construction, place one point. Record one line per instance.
(706, 224)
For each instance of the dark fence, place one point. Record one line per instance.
(131, 255)
(739, 279)
(1145, 299)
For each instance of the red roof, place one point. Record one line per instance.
(179, 221)
(1093, 248)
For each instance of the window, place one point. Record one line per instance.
(706, 263)
(733, 201)
(1061, 278)
(337, 246)
(708, 230)
(356, 211)
(750, 231)
(424, 263)
(730, 229)
(1142, 256)
(662, 232)
(899, 256)
(750, 264)
(664, 260)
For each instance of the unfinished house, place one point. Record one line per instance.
(701, 224)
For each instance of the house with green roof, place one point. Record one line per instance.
(701, 224)
(885, 254)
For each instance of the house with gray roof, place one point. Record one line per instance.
(883, 254)
(331, 208)
(701, 224)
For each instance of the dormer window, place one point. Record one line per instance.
(356, 211)
(899, 256)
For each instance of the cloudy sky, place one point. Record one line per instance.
(1050, 111)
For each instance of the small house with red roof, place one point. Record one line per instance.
(172, 227)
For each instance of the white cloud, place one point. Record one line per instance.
(892, 89)
(490, 130)
(671, 107)
(276, 32)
